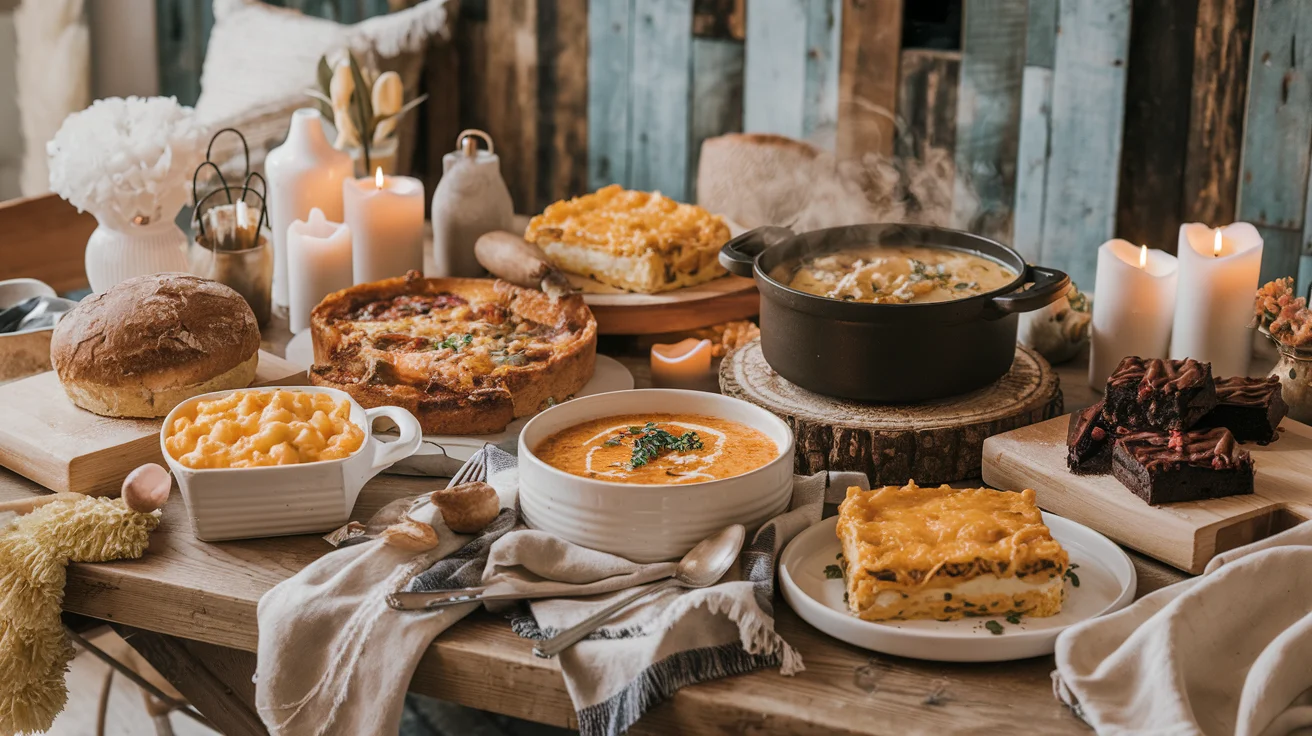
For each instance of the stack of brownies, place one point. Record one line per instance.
(1170, 432)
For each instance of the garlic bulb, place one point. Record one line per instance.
(388, 95)
(340, 91)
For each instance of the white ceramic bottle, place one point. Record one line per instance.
(471, 200)
(303, 173)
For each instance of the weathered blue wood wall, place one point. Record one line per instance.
(1273, 187)
(1084, 144)
(1038, 105)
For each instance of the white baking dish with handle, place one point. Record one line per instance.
(246, 503)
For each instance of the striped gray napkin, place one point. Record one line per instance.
(658, 645)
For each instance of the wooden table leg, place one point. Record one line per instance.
(215, 680)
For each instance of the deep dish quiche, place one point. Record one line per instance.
(465, 356)
(637, 241)
(944, 553)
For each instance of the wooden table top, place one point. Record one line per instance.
(208, 592)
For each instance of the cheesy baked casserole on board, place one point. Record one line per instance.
(945, 553)
(465, 356)
(636, 241)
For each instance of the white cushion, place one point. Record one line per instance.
(261, 60)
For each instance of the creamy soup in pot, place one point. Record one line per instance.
(896, 274)
(654, 449)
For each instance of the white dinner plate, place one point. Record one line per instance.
(1107, 583)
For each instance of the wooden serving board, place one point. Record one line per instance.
(1184, 535)
(932, 442)
(623, 313)
(44, 437)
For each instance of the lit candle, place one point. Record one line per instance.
(386, 217)
(1132, 306)
(684, 364)
(1219, 272)
(318, 263)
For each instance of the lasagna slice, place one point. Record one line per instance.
(636, 241)
(944, 553)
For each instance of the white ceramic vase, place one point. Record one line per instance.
(303, 173)
(118, 251)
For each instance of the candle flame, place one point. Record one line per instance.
(378, 177)
(1216, 244)
(1143, 256)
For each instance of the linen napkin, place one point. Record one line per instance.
(1227, 652)
(658, 645)
(332, 657)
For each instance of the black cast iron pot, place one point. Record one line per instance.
(887, 353)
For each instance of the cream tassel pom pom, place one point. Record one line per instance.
(34, 552)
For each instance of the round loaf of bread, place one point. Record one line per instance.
(140, 348)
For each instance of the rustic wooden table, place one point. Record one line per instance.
(189, 607)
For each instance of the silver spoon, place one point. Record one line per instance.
(703, 566)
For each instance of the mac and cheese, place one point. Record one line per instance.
(248, 429)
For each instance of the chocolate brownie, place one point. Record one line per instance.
(1144, 394)
(1164, 467)
(1251, 408)
(1089, 442)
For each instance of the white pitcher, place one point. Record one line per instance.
(471, 200)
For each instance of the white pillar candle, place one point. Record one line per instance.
(1132, 306)
(1219, 271)
(684, 364)
(303, 173)
(318, 263)
(386, 217)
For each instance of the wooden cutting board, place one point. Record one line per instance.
(45, 437)
(931, 442)
(1185, 535)
(619, 312)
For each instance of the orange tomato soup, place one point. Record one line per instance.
(657, 449)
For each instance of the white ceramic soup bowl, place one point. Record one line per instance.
(244, 503)
(648, 523)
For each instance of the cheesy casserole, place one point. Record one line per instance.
(944, 553)
(248, 429)
(637, 241)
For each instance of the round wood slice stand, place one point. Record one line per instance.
(933, 442)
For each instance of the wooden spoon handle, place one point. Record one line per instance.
(27, 505)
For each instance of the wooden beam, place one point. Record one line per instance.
(45, 238)
(868, 76)
(717, 96)
(511, 87)
(988, 115)
(1274, 169)
(1223, 38)
(792, 68)
(1035, 129)
(1158, 92)
(661, 102)
(214, 679)
(927, 103)
(563, 101)
(1088, 101)
(610, 35)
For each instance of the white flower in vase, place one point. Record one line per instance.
(127, 161)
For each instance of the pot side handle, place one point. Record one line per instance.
(1048, 285)
(738, 256)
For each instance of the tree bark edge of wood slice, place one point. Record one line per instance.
(933, 442)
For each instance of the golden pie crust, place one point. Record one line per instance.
(637, 241)
(465, 356)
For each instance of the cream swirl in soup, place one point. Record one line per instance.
(897, 274)
(653, 449)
